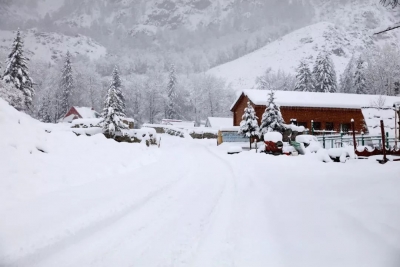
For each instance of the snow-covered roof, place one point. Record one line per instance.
(87, 113)
(217, 122)
(178, 123)
(313, 99)
(373, 117)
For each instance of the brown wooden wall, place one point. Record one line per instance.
(337, 116)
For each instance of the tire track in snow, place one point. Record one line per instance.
(87, 231)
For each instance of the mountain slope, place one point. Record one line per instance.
(50, 47)
(285, 54)
(342, 27)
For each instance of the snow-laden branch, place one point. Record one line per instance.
(388, 29)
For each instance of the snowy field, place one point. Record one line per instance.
(89, 201)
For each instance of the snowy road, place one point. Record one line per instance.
(197, 206)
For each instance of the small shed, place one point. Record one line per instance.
(218, 122)
(80, 113)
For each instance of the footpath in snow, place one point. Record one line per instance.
(93, 202)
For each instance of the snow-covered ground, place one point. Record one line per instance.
(89, 201)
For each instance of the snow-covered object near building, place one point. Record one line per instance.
(310, 142)
(218, 122)
(373, 117)
(75, 113)
(273, 137)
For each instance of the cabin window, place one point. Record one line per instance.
(345, 127)
(317, 126)
(329, 126)
(302, 123)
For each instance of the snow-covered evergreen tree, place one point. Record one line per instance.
(66, 87)
(16, 72)
(44, 113)
(171, 94)
(115, 98)
(304, 80)
(272, 120)
(116, 82)
(249, 125)
(359, 77)
(324, 74)
(347, 78)
(112, 124)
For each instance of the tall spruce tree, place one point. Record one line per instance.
(115, 98)
(347, 78)
(249, 125)
(359, 77)
(272, 120)
(171, 94)
(66, 87)
(116, 82)
(304, 80)
(16, 72)
(112, 124)
(324, 74)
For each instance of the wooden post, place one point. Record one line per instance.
(383, 141)
(395, 127)
(312, 127)
(354, 135)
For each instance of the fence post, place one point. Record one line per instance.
(323, 137)
(383, 141)
(341, 138)
(354, 135)
(362, 138)
(312, 127)
(387, 139)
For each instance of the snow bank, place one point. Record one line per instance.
(53, 157)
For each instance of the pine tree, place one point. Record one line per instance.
(112, 124)
(347, 78)
(249, 125)
(116, 82)
(171, 93)
(66, 87)
(324, 74)
(272, 120)
(304, 81)
(16, 72)
(115, 96)
(44, 110)
(359, 77)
